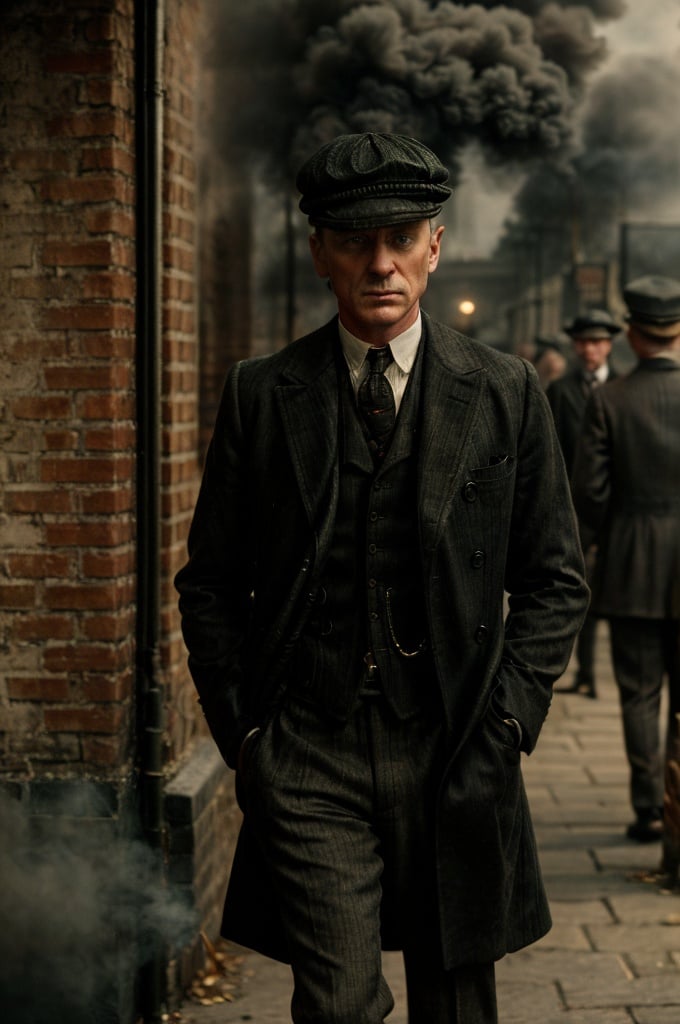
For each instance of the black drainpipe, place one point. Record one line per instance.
(149, 25)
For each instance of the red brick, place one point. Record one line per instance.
(41, 160)
(38, 566)
(61, 440)
(106, 407)
(87, 471)
(17, 596)
(110, 221)
(108, 564)
(89, 62)
(97, 751)
(77, 254)
(85, 597)
(44, 627)
(108, 627)
(88, 189)
(86, 658)
(45, 407)
(108, 92)
(45, 688)
(108, 346)
(82, 534)
(91, 124)
(90, 318)
(109, 286)
(119, 437)
(104, 377)
(104, 689)
(42, 500)
(107, 502)
(76, 719)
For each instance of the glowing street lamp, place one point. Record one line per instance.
(466, 307)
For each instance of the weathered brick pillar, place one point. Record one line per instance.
(67, 276)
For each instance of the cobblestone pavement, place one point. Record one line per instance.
(613, 955)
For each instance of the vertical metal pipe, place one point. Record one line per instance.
(149, 28)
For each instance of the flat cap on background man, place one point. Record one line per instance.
(654, 302)
(594, 323)
(358, 182)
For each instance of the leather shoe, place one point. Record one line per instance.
(585, 687)
(646, 829)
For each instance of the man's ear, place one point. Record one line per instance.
(435, 248)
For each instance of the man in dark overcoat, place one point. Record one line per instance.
(626, 485)
(370, 495)
(591, 334)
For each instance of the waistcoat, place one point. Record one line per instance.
(370, 593)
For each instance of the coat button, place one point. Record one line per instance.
(478, 559)
(481, 634)
(372, 549)
(470, 491)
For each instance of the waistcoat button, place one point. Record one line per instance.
(481, 634)
(470, 491)
(478, 559)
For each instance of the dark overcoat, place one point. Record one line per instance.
(495, 516)
(626, 483)
(567, 397)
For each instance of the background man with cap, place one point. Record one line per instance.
(626, 486)
(369, 494)
(591, 334)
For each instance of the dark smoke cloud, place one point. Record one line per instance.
(299, 72)
(566, 32)
(626, 167)
(79, 911)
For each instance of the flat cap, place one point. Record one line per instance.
(654, 302)
(594, 323)
(372, 180)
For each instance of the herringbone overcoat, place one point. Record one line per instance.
(495, 517)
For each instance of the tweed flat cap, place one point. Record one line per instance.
(654, 302)
(594, 323)
(372, 180)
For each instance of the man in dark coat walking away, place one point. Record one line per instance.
(626, 486)
(591, 334)
(370, 494)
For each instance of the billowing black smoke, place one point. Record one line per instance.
(627, 166)
(303, 71)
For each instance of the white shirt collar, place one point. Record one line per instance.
(404, 347)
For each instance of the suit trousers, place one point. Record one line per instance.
(344, 816)
(643, 652)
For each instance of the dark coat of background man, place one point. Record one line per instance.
(369, 494)
(591, 334)
(626, 485)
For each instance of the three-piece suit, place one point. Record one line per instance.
(456, 562)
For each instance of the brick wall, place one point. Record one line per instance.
(67, 278)
(68, 407)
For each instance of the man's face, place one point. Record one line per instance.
(592, 352)
(378, 275)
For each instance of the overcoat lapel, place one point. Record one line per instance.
(452, 384)
(308, 403)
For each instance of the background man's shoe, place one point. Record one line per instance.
(646, 829)
(584, 687)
